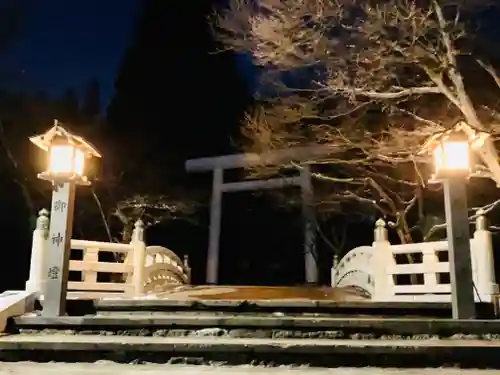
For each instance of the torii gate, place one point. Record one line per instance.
(220, 163)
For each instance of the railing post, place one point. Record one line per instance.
(333, 271)
(139, 258)
(187, 267)
(482, 251)
(37, 278)
(429, 260)
(381, 259)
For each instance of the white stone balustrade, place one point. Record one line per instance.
(380, 269)
(144, 269)
(36, 281)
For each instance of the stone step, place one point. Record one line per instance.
(315, 352)
(251, 325)
(436, 309)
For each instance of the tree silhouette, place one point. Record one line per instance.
(175, 98)
(69, 106)
(91, 107)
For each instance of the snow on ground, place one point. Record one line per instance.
(110, 368)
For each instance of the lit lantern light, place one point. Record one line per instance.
(67, 154)
(452, 155)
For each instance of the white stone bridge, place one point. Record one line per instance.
(383, 272)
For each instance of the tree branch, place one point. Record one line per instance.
(466, 105)
(490, 70)
(101, 212)
(389, 95)
(479, 211)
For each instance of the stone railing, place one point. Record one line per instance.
(145, 269)
(415, 272)
(90, 267)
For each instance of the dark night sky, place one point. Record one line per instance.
(64, 43)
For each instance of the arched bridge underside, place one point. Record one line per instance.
(354, 270)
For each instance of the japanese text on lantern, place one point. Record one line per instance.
(53, 273)
(59, 206)
(57, 239)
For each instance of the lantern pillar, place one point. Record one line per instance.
(59, 247)
(459, 252)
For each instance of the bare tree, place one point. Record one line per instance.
(372, 78)
(337, 239)
(151, 209)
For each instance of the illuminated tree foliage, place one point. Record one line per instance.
(374, 79)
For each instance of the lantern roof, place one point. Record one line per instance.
(45, 140)
(435, 139)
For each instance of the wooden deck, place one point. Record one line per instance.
(251, 293)
(266, 299)
(240, 293)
